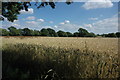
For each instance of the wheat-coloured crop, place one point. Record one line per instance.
(60, 58)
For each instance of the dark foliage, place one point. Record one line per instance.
(12, 31)
(117, 34)
(11, 10)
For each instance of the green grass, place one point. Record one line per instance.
(37, 62)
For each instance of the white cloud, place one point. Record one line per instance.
(51, 22)
(31, 22)
(93, 18)
(7, 24)
(36, 24)
(108, 23)
(47, 27)
(5, 19)
(67, 26)
(15, 25)
(30, 11)
(93, 4)
(40, 20)
(16, 20)
(104, 26)
(62, 23)
(30, 18)
(67, 21)
(55, 26)
(88, 25)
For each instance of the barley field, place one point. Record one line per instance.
(59, 58)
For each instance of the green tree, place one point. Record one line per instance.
(98, 35)
(62, 33)
(76, 34)
(111, 35)
(82, 32)
(11, 10)
(13, 31)
(103, 35)
(44, 32)
(36, 33)
(27, 32)
(90, 35)
(4, 32)
(21, 32)
(52, 32)
(118, 34)
(69, 34)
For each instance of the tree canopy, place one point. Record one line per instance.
(11, 10)
(82, 32)
(12, 31)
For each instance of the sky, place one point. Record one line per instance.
(97, 17)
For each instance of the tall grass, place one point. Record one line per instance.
(22, 61)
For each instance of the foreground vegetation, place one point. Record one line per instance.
(45, 58)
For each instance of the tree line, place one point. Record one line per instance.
(12, 31)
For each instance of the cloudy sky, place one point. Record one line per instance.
(98, 17)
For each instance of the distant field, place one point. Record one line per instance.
(109, 45)
(61, 58)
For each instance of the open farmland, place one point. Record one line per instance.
(59, 58)
(109, 45)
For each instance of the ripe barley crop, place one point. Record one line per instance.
(59, 58)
